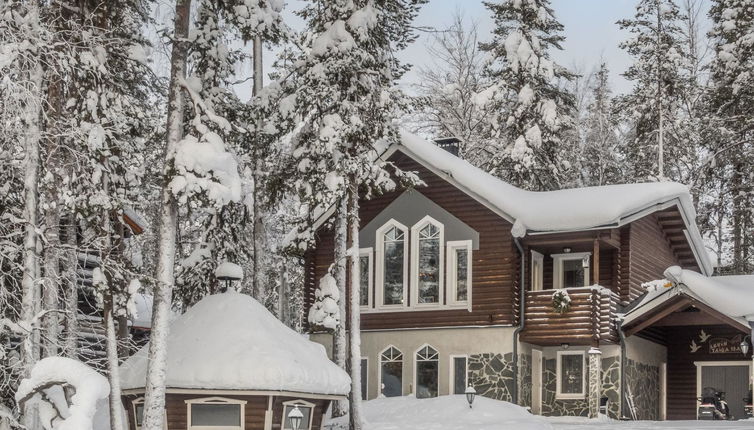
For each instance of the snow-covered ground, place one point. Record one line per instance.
(453, 413)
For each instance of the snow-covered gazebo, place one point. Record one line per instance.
(232, 365)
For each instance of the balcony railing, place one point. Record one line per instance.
(589, 320)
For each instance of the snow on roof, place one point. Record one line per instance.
(731, 295)
(230, 341)
(226, 270)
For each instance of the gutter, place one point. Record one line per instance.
(622, 379)
(522, 320)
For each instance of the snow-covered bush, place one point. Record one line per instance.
(45, 387)
(324, 313)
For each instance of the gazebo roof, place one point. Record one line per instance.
(229, 341)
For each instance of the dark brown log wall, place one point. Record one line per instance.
(649, 254)
(493, 264)
(681, 396)
(177, 412)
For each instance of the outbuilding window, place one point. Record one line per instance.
(427, 261)
(427, 372)
(215, 413)
(392, 264)
(391, 372)
(571, 375)
(138, 405)
(306, 408)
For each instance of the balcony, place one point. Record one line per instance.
(589, 321)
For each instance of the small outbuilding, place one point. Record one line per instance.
(232, 365)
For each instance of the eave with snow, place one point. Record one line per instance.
(228, 352)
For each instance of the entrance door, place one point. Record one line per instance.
(733, 379)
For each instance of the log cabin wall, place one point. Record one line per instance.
(648, 252)
(254, 410)
(681, 386)
(494, 264)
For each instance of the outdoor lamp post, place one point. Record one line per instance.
(470, 394)
(295, 416)
(228, 272)
(745, 345)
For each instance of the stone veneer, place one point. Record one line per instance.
(525, 385)
(557, 407)
(491, 375)
(611, 385)
(643, 380)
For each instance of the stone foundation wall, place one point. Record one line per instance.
(557, 407)
(525, 386)
(491, 375)
(643, 380)
(611, 385)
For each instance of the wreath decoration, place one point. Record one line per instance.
(561, 301)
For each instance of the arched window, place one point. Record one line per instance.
(427, 372)
(427, 262)
(391, 372)
(392, 264)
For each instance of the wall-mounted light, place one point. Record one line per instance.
(564, 345)
(567, 250)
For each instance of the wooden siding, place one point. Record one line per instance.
(494, 264)
(649, 254)
(590, 320)
(681, 395)
(254, 410)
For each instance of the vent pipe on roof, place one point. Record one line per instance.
(450, 144)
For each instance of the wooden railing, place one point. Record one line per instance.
(589, 320)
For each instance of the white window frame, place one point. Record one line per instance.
(559, 371)
(452, 267)
(379, 277)
(215, 401)
(427, 220)
(557, 267)
(452, 372)
(300, 403)
(416, 368)
(380, 388)
(369, 253)
(537, 272)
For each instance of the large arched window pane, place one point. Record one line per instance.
(394, 248)
(429, 264)
(427, 368)
(391, 372)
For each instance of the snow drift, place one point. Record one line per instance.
(230, 341)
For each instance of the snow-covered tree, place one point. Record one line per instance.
(446, 89)
(528, 111)
(653, 107)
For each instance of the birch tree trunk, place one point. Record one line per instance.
(116, 419)
(154, 399)
(340, 344)
(355, 419)
(70, 346)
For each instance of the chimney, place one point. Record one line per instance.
(449, 144)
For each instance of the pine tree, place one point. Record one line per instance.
(652, 109)
(528, 110)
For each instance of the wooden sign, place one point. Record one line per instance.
(721, 345)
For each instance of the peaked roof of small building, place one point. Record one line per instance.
(537, 212)
(230, 341)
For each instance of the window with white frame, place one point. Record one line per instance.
(365, 277)
(138, 411)
(537, 271)
(427, 238)
(391, 372)
(571, 375)
(459, 374)
(392, 264)
(307, 410)
(427, 372)
(571, 270)
(459, 272)
(215, 413)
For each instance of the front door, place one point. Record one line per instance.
(732, 379)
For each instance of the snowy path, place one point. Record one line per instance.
(586, 424)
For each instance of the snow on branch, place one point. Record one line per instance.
(44, 386)
(325, 312)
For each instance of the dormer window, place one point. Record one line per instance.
(392, 264)
(427, 262)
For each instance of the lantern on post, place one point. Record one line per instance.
(470, 394)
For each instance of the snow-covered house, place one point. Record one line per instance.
(232, 365)
(469, 280)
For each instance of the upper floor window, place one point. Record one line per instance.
(571, 270)
(459, 271)
(365, 277)
(427, 262)
(427, 372)
(215, 413)
(392, 264)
